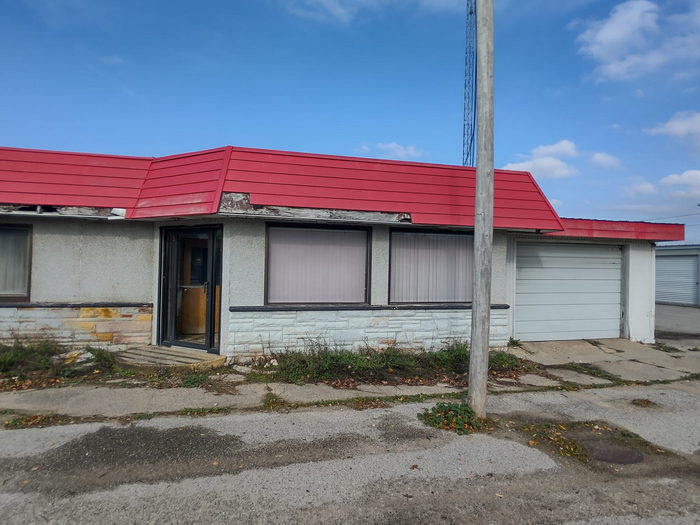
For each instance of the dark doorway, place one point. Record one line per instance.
(190, 306)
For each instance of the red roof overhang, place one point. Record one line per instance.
(192, 184)
(598, 229)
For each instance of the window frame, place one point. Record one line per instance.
(342, 227)
(469, 233)
(24, 297)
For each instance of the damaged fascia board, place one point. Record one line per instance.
(81, 212)
(238, 204)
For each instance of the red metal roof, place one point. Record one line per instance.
(36, 177)
(192, 184)
(178, 185)
(433, 194)
(592, 228)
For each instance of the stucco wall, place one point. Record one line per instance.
(84, 261)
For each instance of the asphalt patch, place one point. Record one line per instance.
(114, 456)
(603, 450)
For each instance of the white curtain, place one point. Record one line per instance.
(431, 268)
(311, 265)
(14, 271)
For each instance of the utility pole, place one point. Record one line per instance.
(483, 210)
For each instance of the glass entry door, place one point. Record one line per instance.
(191, 287)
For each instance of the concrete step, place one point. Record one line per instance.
(151, 358)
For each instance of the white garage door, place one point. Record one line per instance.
(677, 279)
(567, 291)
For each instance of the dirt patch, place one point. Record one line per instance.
(644, 403)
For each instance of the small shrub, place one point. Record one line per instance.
(102, 359)
(512, 342)
(24, 357)
(457, 417)
(503, 362)
(193, 380)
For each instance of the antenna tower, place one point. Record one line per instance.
(469, 127)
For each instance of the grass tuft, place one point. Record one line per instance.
(323, 363)
(194, 380)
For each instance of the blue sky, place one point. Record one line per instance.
(599, 99)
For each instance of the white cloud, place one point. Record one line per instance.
(641, 187)
(638, 38)
(680, 125)
(688, 180)
(555, 202)
(394, 150)
(544, 168)
(563, 148)
(544, 162)
(605, 160)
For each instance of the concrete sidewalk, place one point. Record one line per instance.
(622, 358)
(628, 360)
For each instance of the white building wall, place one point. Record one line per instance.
(253, 328)
(640, 290)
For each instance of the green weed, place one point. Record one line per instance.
(503, 362)
(194, 380)
(24, 357)
(102, 359)
(457, 417)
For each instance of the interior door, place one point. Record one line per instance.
(191, 287)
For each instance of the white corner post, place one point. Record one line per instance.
(483, 210)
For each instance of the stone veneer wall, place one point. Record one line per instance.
(257, 330)
(115, 327)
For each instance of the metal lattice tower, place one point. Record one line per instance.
(469, 128)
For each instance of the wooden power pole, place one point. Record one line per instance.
(483, 214)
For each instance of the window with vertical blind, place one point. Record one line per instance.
(316, 265)
(14, 263)
(430, 267)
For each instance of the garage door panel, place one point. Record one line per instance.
(569, 334)
(677, 279)
(571, 313)
(567, 262)
(569, 250)
(612, 274)
(567, 291)
(555, 298)
(536, 286)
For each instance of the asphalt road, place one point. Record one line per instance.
(346, 466)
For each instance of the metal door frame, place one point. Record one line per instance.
(170, 266)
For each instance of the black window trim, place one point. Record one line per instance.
(25, 297)
(468, 233)
(320, 226)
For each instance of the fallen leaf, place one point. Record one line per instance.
(414, 467)
(34, 469)
(532, 442)
(499, 495)
(215, 463)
